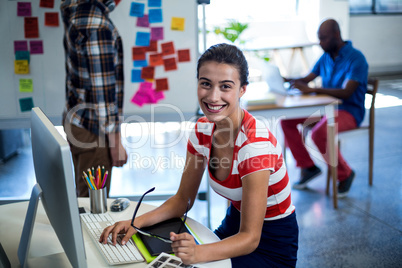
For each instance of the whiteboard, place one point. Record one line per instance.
(47, 70)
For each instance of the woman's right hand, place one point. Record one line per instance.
(121, 227)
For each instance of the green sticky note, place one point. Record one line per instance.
(26, 85)
(22, 55)
(26, 104)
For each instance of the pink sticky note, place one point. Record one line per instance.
(20, 46)
(157, 95)
(143, 21)
(157, 33)
(36, 46)
(24, 9)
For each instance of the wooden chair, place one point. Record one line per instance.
(372, 88)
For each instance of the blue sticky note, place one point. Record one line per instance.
(22, 55)
(136, 76)
(154, 3)
(155, 15)
(140, 63)
(137, 9)
(142, 39)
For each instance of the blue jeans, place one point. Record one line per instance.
(278, 245)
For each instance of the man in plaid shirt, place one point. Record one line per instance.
(94, 87)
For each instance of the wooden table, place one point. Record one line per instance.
(275, 48)
(299, 106)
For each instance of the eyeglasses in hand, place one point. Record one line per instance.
(150, 234)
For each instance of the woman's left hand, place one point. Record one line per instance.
(184, 247)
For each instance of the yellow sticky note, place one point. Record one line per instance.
(26, 85)
(21, 67)
(177, 24)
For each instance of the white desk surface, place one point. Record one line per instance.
(46, 250)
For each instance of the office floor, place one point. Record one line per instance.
(365, 231)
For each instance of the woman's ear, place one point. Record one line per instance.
(243, 90)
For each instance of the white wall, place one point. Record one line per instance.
(379, 37)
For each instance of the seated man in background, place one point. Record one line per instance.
(344, 73)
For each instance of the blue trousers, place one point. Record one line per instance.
(278, 245)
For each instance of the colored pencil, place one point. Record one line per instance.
(104, 179)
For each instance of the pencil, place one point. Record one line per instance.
(104, 179)
(99, 177)
(87, 180)
(91, 179)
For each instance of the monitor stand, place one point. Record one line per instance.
(26, 235)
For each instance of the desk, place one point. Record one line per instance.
(287, 107)
(46, 250)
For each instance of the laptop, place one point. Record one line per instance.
(276, 83)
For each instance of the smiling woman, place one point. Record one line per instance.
(245, 165)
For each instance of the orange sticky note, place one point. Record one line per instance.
(161, 84)
(183, 55)
(155, 59)
(139, 53)
(31, 27)
(170, 64)
(167, 48)
(52, 19)
(148, 73)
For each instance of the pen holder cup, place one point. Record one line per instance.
(98, 200)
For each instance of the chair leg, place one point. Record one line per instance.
(371, 156)
(328, 180)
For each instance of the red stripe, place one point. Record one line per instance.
(279, 208)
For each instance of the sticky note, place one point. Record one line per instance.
(22, 55)
(161, 84)
(20, 46)
(146, 94)
(168, 48)
(21, 67)
(46, 3)
(136, 76)
(155, 59)
(26, 85)
(137, 9)
(143, 21)
(183, 55)
(26, 104)
(170, 64)
(52, 19)
(140, 63)
(148, 72)
(157, 33)
(143, 94)
(142, 39)
(155, 15)
(36, 46)
(177, 24)
(24, 9)
(153, 46)
(154, 3)
(31, 27)
(139, 53)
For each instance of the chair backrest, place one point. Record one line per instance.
(372, 88)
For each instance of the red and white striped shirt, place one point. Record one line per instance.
(255, 149)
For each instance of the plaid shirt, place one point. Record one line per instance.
(94, 66)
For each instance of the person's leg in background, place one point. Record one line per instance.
(295, 141)
(345, 121)
(85, 158)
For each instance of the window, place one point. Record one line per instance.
(375, 6)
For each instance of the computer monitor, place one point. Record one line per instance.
(55, 188)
